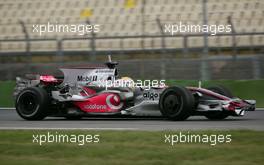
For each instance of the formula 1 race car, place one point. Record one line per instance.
(80, 93)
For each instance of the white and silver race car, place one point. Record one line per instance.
(80, 93)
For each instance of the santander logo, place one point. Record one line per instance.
(114, 102)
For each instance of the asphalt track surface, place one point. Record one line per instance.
(252, 120)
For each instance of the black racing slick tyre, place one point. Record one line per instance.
(223, 91)
(32, 103)
(176, 103)
(216, 115)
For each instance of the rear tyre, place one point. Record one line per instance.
(32, 103)
(223, 91)
(176, 103)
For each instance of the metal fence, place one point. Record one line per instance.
(92, 50)
(218, 67)
(203, 67)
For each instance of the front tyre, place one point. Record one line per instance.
(176, 103)
(222, 91)
(32, 103)
(216, 115)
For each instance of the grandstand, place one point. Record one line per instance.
(121, 18)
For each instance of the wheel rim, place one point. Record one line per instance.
(27, 104)
(172, 104)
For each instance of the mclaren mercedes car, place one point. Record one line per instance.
(80, 93)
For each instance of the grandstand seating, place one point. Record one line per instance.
(119, 19)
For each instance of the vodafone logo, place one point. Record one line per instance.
(95, 106)
(113, 101)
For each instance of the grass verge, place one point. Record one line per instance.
(132, 147)
(246, 89)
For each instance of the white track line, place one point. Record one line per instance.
(7, 108)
